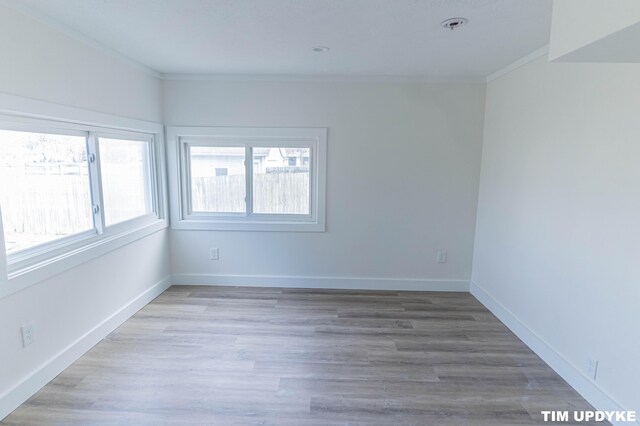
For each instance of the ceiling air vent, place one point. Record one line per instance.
(454, 23)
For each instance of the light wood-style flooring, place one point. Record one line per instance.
(256, 356)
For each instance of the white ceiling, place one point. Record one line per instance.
(366, 37)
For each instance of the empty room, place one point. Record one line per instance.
(319, 212)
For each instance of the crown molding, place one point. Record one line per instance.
(319, 78)
(544, 50)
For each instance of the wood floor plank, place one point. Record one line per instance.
(296, 357)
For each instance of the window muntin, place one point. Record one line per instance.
(279, 185)
(211, 190)
(125, 170)
(45, 193)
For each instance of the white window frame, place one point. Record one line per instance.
(29, 266)
(179, 141)
(150, 172)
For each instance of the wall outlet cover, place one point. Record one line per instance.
(28, 334)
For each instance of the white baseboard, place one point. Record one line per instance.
(569, 372)
(343, 283)
(14, 397)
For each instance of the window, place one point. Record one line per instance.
(217, 192)
(66, 186)
(274, 178)
(279, 188)
(45, 193)
(126, 179)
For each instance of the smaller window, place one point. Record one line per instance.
(125, 168)
(274, 178)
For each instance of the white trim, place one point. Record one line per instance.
(569, 372)
(347, 283)
(95, 182)
(3, 257)
(179, 137)
(70, 32)
(247, 225)
(544, 50)
(123, 135)
(372, 78)
(27, 107)
(35, 254)
(22, 391)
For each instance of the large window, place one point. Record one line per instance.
(63, 185)
(45, 193)
(248, 178)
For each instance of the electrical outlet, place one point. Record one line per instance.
(214, 254)
(442, 256)
(28, 334)
(592, 368)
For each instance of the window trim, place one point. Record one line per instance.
(30, 266)
(179, 139)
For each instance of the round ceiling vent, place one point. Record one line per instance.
(454, 23)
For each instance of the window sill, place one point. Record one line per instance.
(30, 274)
(273, 226)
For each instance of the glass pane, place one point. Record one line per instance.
(44, 191)
(124, 168)
(217, 179)
(281, 180)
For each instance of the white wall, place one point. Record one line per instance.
(595, 31)
(403, 165)
(40, 63)
(558, 236)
